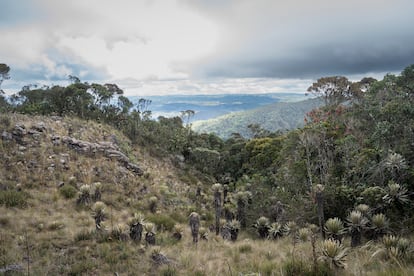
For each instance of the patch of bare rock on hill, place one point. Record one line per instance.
(30, 137)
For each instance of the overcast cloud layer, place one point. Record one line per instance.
(203, 46)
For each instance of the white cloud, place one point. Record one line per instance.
(213, 86)
(130, 39)
(204, 46)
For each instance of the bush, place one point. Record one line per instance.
(163, 222)
(12, 198)
(68, 191)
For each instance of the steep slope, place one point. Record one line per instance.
(273, 117)
(47, 163)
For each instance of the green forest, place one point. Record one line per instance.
(339, 189)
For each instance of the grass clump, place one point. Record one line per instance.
(299, 267)
(85, 235)
(12, 198)
(245, 248)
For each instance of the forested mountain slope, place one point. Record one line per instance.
(273, 117)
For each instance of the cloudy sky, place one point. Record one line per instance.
(203, 46)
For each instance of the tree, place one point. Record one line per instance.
(73, 79)
(262, 226)
(150, 230)
(334, 90)
(242, 199)
(319, 202)
(356, 222)
(99, 214)
(217, 204)
(194, 223)
(4, 74)
(136, 226)
(124, 104)
(142, 108)
(186, 117)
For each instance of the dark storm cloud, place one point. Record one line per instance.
(308, 39)
(317, 62)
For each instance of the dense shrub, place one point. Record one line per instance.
(163, 222)
(68, 191)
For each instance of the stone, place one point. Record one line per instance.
(6, 136)
(40, 127)
(18, 134)
(55, 140)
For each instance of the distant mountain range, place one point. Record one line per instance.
(273, 117)
(211, 106)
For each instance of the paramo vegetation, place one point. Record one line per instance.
(334, 197)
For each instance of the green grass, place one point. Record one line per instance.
(12, 198)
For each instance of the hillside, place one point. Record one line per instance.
(115, 193)
(211, 106)
(48, 163)
(273, 117)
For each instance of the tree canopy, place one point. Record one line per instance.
(4, 73)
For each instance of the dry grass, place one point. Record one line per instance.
(60, 238)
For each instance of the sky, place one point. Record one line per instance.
(158, 47)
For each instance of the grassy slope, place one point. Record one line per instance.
(59, 236)
(273, 117)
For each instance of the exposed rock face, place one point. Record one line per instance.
(27, 137)
(108, 149)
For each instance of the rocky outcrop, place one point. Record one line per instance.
(108, 149)
(30, 136)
